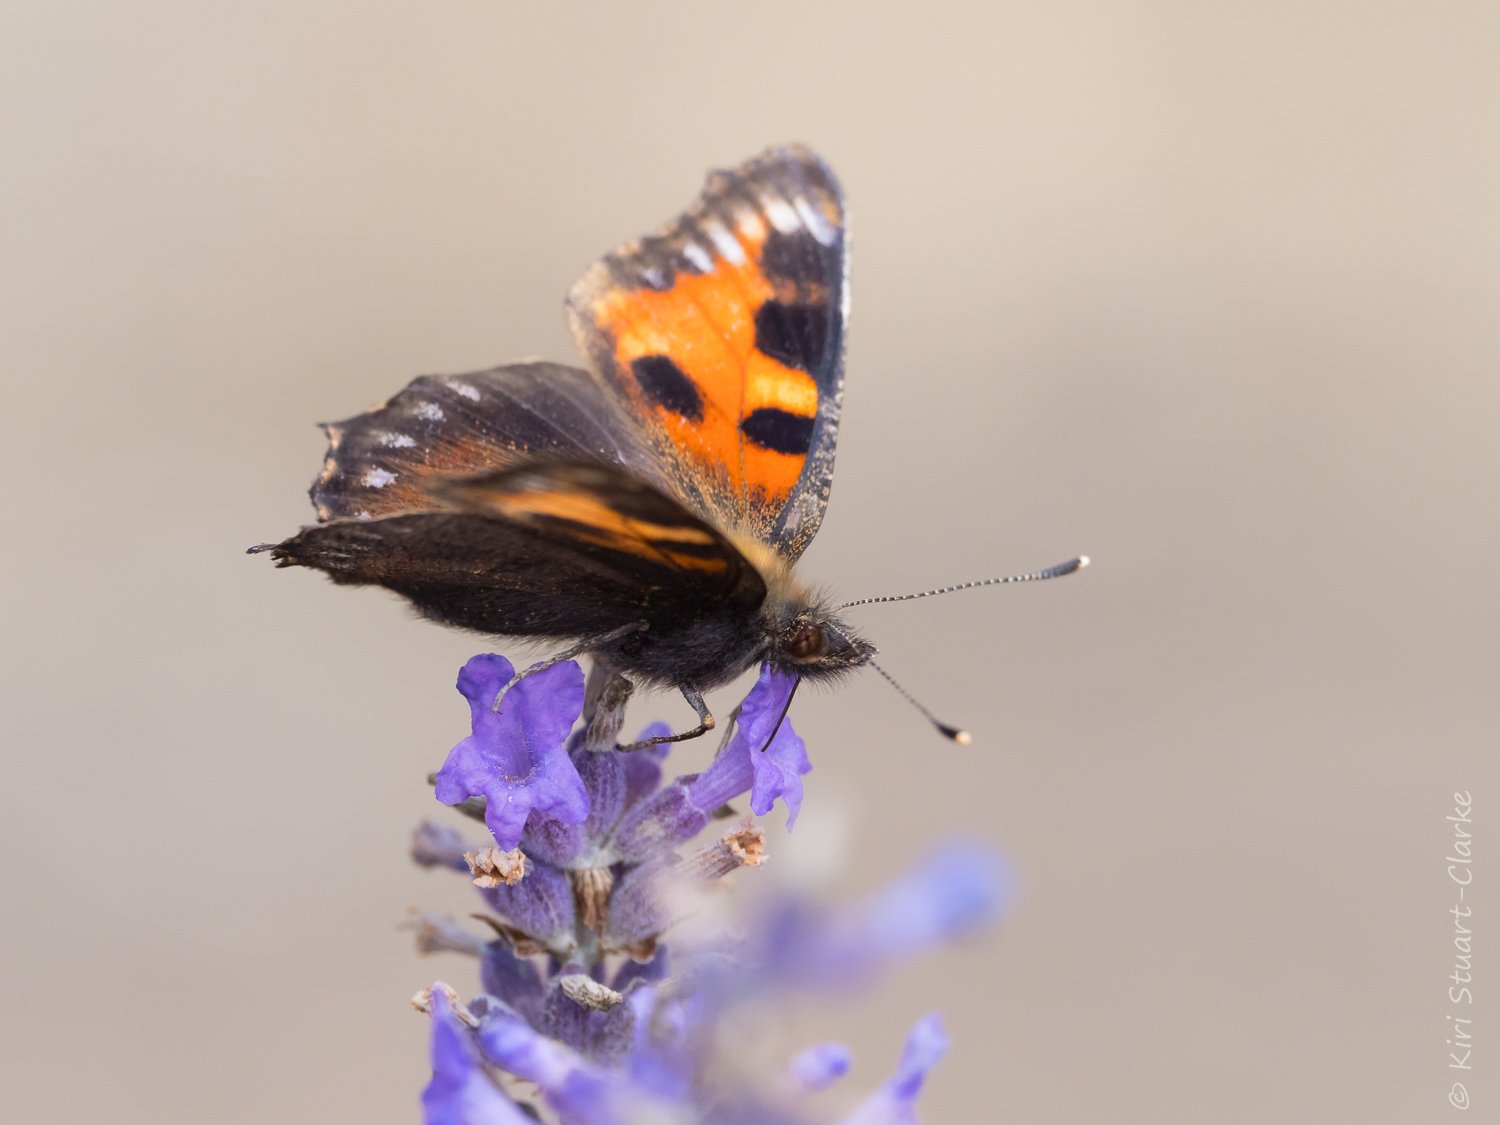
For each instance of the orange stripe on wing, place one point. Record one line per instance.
(596, 522)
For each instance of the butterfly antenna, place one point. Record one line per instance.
(952, 733)
(1057, 571)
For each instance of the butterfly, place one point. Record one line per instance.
(650, 509)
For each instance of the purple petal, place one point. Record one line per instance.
(603, 776)
(664, 820)
(577, 1091)
(460, 1092)
(515, 758)
(636, 907)
(437, 845)
(727, 776)
(648, 972)
(515, 980)
(661, 1062)
(778, 773)
(540, 905)
(643, 767)
(895, 1102)
(819, 1067)
(600, 1037)
(551, 840)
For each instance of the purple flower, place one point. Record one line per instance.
(769, 766)
(777, 756)
(679, 811)
(515, 757)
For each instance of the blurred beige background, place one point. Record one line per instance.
(1207, 291)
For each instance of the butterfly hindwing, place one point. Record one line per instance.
(724, 332)
(611, 514)
(561, 549)
(384, 461)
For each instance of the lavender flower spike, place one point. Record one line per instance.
(515, 758)
(602, 1009)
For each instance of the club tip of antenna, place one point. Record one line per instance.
(954, 734)
(1083, 561)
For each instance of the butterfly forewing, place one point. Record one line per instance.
(725, 334)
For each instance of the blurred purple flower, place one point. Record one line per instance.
(953, 891)
(820, 1066)
(895, 1103)
(950, 893)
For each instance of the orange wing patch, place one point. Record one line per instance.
(691, 351)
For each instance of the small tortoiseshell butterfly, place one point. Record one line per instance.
(649, 510)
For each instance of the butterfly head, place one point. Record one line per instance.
(814, 643)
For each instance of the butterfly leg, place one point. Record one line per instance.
(577, 650)
(732, 722)
(705, 723)
(604, 700)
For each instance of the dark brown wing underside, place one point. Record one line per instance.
(547, 549)
(386, 460)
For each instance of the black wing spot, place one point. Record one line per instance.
(796, 335)
(665, 384)
(778, 430)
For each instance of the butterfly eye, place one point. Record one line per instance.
(806, 642)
